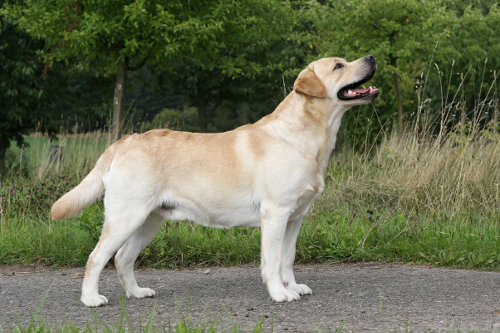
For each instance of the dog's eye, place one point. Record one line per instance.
(338, 65)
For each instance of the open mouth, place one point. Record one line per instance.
(351, 91)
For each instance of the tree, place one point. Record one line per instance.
(115, 36)
(122, 36)
(398, 33)
(471, 51)
(244, 62)
(23, 100)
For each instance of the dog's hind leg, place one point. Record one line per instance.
(288, 257)
(126, 256)
(119, 225)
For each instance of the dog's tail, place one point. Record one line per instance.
(87, 192)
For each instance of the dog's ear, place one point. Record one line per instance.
(309, 83)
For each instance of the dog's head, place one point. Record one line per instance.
(338, 80)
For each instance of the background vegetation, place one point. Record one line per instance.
(415, 176)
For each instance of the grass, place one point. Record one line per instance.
(417, 201)
(326, 237)
(80, 154)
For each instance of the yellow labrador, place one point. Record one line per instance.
(263, 175)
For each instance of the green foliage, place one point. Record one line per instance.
(22, 195)
(12, 162)
(179, 120)
(234, 61)
(401, 36)
(98, 32)
(468, 52)
(242, 60)
(407, 38)
(91, 221)
(203, 46)
(22, 93)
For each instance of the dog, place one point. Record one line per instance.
(265, 174)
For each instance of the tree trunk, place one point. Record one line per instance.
(394, 63)
(121, 78)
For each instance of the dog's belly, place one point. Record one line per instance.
(222, 215)
(232, 218)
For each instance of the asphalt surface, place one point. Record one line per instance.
(360, 298)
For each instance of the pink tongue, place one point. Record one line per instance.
(361, 91)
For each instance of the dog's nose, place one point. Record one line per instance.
(369, 58)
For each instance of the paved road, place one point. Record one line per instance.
(363, 298)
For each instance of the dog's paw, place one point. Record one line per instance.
(283, 295)
(300, 289)
(141, 293)
(94, 301)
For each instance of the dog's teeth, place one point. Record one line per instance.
(350, 92)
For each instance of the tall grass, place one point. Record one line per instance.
(43, 171)
(456, 175)
(78, 152)
(447, 161)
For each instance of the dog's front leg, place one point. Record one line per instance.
(273, 227)
(288, 257)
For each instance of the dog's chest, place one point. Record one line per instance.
(308, 195)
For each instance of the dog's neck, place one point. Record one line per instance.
(309, 124)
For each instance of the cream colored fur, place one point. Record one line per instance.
(264, 175)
